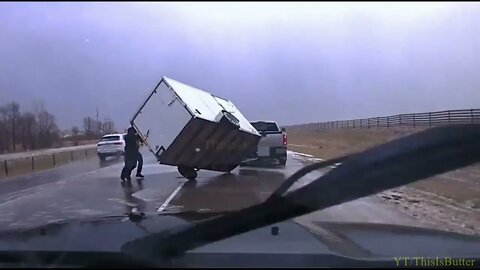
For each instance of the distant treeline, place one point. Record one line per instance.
(24, 131)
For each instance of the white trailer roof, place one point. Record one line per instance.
(203, 104)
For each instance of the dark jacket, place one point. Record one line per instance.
(132, 144)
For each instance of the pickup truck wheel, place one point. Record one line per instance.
(102, 157)
(187, 172)
(283, 162)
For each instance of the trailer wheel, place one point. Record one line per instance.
(187, 172)
(231, 168)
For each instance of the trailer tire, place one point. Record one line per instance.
(187, 172)
(231, 168)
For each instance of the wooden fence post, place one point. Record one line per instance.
(413, 120)
(429, 119)
(33, 164)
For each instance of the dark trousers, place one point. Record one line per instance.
(140, 163)
(130, 164)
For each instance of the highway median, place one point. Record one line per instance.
(17, 164)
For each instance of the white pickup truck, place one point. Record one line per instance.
(272, 147)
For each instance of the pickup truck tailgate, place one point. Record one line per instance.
(268, 140)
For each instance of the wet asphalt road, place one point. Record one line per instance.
(93, 188)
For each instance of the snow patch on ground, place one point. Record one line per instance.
(299, 154)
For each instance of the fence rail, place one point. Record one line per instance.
(428, 119)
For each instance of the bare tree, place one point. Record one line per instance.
(88, 125)
(28, 130)
(48, 131)
(75, 131)
(98, 128)
(108, 126)
(4, 131)
(31, 130)
(13, 113)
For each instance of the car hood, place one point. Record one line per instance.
(359, 240)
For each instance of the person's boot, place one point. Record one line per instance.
(122, 175)
(139, 175)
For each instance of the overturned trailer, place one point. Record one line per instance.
(192, 129)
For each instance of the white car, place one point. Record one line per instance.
(111, 145)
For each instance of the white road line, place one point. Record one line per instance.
(300, 154)
(170, 198)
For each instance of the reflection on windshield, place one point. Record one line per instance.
(132, 203)
(227, 192)
(340, 78)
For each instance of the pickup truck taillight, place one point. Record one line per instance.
(284, 139)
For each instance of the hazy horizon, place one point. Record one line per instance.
(289, 62)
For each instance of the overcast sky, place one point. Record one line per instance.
(290, 62)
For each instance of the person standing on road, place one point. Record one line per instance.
(139, 159)
(131, 154)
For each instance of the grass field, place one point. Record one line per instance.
(451, 199)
